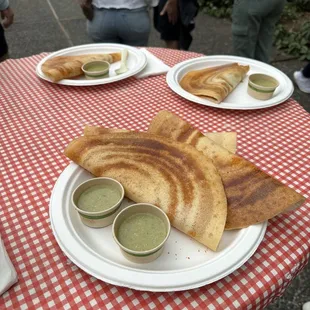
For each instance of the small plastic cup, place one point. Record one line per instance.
(96, 69)
(102, 218)
(262, 86)
(141, 256)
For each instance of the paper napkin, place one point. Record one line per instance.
(154, 66)
(8, 275)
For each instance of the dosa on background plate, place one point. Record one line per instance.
(228, 140)
(173, 176)
(66, 67)
(252, 195)
(214, 83)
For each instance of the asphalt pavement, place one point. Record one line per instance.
(50, 25)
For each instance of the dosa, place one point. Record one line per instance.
(252, 195)
(228, 140)
(173, 176)
(214, 83)
(66, 67)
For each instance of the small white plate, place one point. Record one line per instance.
(136, 62)
(239, 98)
(184, 263)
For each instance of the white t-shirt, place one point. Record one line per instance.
(124, 4)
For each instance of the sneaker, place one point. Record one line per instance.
(302, 82)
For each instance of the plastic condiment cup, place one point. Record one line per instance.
(99, 218)
(141, 256)
(257, 86)
(96, 69)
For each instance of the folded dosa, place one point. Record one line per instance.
(174, 176)
(228, 140)
(252, 195)
(214, 83)
(66, 67)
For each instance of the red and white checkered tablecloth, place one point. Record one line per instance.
(38, 119)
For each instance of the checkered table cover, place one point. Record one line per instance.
(39, 118)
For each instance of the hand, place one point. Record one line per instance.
(171, 9)
(87, 9)
(7, 16)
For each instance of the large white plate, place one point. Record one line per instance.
(239, 98)
(184, 264)
(136, 62)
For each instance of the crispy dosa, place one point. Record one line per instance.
(214, 83)
(252, 195)
(228, 140)
(66, 67)
(174, 176)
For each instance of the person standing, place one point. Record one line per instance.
(175, 20)
(7, 17)
(253, 26)
(118, 21)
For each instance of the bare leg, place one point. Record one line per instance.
(172, 44)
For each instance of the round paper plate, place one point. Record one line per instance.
(136, 62)
(238, 99)
(184, 264)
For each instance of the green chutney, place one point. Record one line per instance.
(95, 67)
(142, 232)
(264, 82)
(98, 198)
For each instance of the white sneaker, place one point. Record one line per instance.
(302, 82)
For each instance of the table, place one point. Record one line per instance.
(38, 119)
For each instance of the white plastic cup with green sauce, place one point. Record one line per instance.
(96, 69)
(98, 201)
(262, 86)
(141, 230)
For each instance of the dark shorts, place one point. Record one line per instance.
(168, 32)
(3, 44)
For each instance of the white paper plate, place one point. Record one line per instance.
(239, 98)
(184, 264)
(136, 62)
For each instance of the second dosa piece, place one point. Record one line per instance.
(252, 195)
(66, 67)
(173, 176)
(214, 83)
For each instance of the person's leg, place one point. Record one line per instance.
(3, 45)
(134, 26)
(273, 12)
(102, 28)
(172, 44)
(245, 29)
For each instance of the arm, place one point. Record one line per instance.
(7, 13)
(87, 8)
(171, 9)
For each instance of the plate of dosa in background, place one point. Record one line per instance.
(238, 98)
(136, 61)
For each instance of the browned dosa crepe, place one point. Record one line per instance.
(66, 67)
(252, 195)
(174, 176)
(214, 83)
(227, 140)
